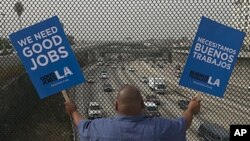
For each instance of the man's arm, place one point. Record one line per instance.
(193, 107)
(71, 110)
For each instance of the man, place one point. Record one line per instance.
(130, 124)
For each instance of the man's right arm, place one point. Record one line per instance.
(193, 107)
(71, 110)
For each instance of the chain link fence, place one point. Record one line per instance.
(120, 42)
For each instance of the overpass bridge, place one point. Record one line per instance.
(242, 54)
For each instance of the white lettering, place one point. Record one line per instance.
(58, 75)
(27, 52)
(63, 52)
(67, 71)
(53, 56)
(40, 62)
(239, 132)
(48, 45)
(57, 40)
(34, 64)
(215, 83)
(39, 49)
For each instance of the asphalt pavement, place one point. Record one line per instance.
(221, 111)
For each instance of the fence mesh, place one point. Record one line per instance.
(120, 42)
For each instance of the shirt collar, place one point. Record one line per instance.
(130, 118)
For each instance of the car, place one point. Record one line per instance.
(107, 87)
(104, 75)
(212, 132)
(178, 73)
(106, 64)
(144, 79)
(160, 66)
(178, 67)
(153, 98)
(99, 63)
(151, 109)
(94, 110)
(131, 69)
(178, 70)
(91, 80)
(160, 88)
(183, 104)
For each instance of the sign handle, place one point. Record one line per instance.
(65, 95)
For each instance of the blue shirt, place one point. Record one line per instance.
(132, 128)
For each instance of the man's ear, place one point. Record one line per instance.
(142, 103)
(116, 106)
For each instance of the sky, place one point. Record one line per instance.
(119, 19)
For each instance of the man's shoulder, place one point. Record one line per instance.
(103, 119)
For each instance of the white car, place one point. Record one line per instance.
(99, 63)
(151, 109)
(144, 79)
(131, 69)
(104, 75)
(94, 110)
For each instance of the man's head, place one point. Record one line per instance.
(129, 101)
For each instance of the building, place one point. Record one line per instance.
(242, 20)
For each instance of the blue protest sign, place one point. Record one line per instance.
(212, 57)
(47, 56)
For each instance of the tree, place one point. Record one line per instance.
(5, 43)
(71, 39)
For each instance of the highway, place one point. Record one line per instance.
(83, 94)
(224, 112)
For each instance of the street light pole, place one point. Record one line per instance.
(3, 23)
(19, 9)
(3, 31)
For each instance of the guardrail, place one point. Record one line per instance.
(242, 54)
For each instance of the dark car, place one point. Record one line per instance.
(107, 88)
(91, 80)
(212, 132)
(144, 79)
(153, 98)
(160, 66)
(183, 104)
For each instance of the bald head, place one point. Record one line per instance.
(129, 101)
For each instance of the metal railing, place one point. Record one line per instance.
(134, 40)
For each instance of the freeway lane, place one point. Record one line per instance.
(168, 107)
(213, 109)
(211, 105)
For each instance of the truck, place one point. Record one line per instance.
(157, 84)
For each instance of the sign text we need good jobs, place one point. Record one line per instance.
(49, 39)
(47, 56)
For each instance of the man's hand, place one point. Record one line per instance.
(71, 110)
(70, 107)
(195, 104)
(193, 107)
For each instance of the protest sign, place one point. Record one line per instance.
(212, 57)
(47, 56)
